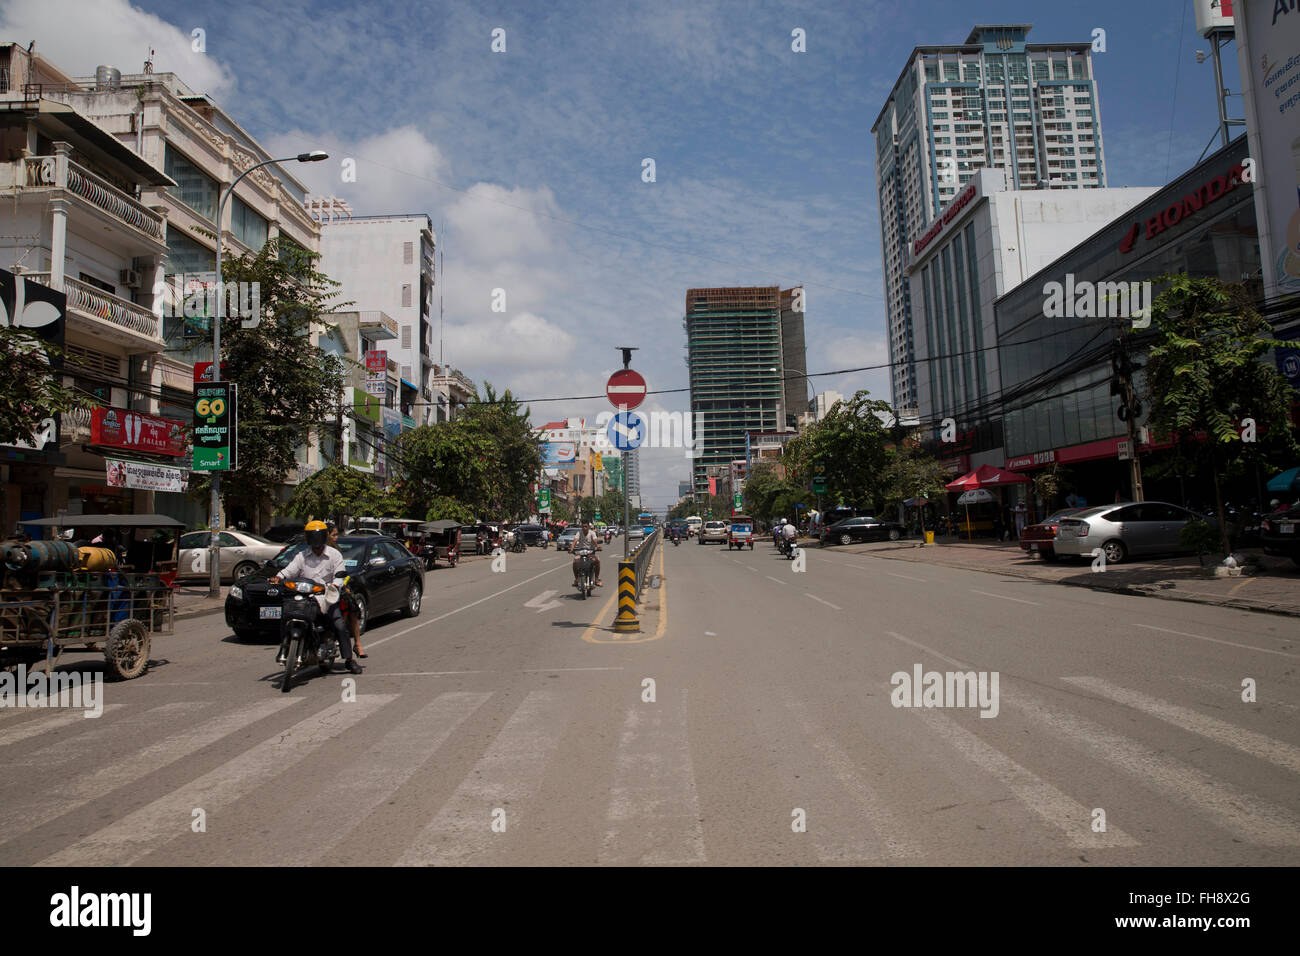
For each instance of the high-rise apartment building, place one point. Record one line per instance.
(1030, 109)
(748, 370)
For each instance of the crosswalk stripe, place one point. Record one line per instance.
(1050, 804)
(76, 791)
(1257, 821)
(882, 821)
(1247, 741)
(145, 830)
(374, 777)
(1232, 690)
(461, 832)
(47, 722)
(87, 742)
(654, 811)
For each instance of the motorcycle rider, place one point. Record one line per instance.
(789, 532)
(587, 539)
(320, 564)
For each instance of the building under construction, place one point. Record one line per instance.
(748, 370)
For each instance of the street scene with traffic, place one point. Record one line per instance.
(565, 474)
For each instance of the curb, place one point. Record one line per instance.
(189, 613)
(1133, 590)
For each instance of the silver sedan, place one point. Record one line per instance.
(240, 553)
(1120, 530)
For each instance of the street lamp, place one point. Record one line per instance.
(214, 556)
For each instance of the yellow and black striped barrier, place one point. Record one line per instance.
(626, 621)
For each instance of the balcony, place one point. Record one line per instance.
(117, 319)
(42, 172)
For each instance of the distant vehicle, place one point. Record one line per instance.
(635, 533)
(741, 532)
(695, 522)
(240, 554)
(565, 541)
(861, 528)
(715, 532)
(1121, 530)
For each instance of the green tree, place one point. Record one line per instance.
(340, 492)
(911, 472)
(847, 447)
(449, 509)
(516, 451)
(448, 460)
(288, 386)
(29, 390)
(1204, 375)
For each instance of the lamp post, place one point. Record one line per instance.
(214, 555)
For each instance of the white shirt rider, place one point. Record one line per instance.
(310, 566)
(789, 531)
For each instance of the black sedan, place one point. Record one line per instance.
(386, 578)
(861, 528)
(1279, 533)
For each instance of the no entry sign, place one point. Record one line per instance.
(625, 389)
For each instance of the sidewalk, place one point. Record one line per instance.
(192, 600)
(1274, 587)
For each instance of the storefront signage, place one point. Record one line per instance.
(119, 428)
(377, 372)
(144, 477)
(1192, 203)
(949, 215)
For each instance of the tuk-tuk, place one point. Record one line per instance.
(441, 540)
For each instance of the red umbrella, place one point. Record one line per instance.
(986, 476)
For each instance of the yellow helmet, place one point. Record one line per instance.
(317, 533)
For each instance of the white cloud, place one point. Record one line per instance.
(521, 339)
(77, 36)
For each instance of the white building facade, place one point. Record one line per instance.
(997, 101)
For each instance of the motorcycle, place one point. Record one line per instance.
(512, 541)
(788, 547)
(310, 639)
(586, 570)
(677, 539)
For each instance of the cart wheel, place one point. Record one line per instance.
(127, 650)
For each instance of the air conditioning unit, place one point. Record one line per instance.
(129, 278)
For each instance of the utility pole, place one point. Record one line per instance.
(1130, 408)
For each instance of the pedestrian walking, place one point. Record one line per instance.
(1021, 514)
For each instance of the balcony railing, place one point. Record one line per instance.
(103, 305)
(43, 171)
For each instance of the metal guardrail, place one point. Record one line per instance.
(631, 579)
(642, 557)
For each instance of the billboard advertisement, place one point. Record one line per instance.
(555, 453)
(377, 372)
(119, 428)
(1268, 53)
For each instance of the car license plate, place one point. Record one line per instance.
(1286, 529)
(1033, 547)
(269, 613)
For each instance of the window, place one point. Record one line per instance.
(247, 226)
(406, 295)
(193, 187)
(408, 253)
(406, 336)
(294, 255)
(184, 255)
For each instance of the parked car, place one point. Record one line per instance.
(1121, 530)
(240, 553)
(565, 541)
(1039, 538)
(531, 533)
(283, 531)
(1279, 535)
(861, 528)
(714, 531)
(386, 578)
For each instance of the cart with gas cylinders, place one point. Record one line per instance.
(66, 595)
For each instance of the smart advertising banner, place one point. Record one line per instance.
(1268, 53)
(214, 427)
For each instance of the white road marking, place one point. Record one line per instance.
(47, 721)
(861, 567)
(710, 634)
(70, 792)
(1215, 640)
(555, 670)
(435, 620)
(427, 673)
(1256, 821)
(820, 601)
(506, 776)
(140, 833)
(905, 577)
(372, 779)
(929, 650)
(1232, 690)
(897, 844)
(87, 742)
(1051, 805)
(770, 578)
(654, 811)
(543, 601)
(1003, 597)
(1247, 741)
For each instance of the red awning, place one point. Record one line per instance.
(986, 476)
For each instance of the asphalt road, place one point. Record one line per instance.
(508, 725)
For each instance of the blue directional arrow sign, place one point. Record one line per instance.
(626, 430)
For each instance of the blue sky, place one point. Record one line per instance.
(529, 161)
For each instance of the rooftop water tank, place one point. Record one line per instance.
(108, 78)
